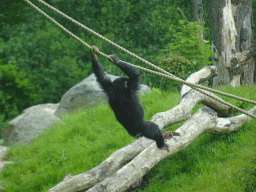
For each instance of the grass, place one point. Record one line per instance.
(85, 138)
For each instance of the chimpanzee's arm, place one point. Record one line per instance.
(131, 72)
(102, 78)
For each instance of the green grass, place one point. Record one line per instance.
(85, 138)
(246, 91)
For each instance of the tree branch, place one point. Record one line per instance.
(111, 166)
(246, 55)
(182, 15)
(204, 120)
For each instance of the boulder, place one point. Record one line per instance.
(85, 94)
(2, 164)
(31, 122)
(3, 151)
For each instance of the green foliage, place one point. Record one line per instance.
(52, 61)
(177, 65)
(13, 17)
(15, 90)
(187, 52)
(188, 42)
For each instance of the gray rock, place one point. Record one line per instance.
(3, 151)
(2, 164)
(31, 122)
(1, 188)
(85, 94)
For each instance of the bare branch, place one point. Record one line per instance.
(189, 98)
(246, 55)
(101, 174)
(205, 120)
(182, 15)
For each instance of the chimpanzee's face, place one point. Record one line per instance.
(120, 84)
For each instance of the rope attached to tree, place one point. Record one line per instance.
(163, 74)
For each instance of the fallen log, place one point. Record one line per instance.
(204, 120)
(126, 166)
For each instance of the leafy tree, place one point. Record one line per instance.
(187, 52)
(11, 14)
(15, 91)
(54, 62)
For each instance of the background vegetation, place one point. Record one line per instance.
(43, 62)
(39, 63)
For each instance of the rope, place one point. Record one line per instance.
(64, 29)
(143, 60)
(191, 84)
(166, 75)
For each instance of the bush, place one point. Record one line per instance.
(15, 91)
(188, 52)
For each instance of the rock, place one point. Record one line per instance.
(3, 151)
(2, 164)
(31, 122)
(2, 188)
(85, 94)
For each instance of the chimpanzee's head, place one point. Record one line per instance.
(120, 84)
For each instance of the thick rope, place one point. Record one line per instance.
(63, 28)
(143, 60)
(202, 91)
(172, 77)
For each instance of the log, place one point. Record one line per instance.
(204, 120)
(103, 176)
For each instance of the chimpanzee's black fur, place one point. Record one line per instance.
(124, 102)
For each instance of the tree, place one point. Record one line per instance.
(197, 11)
(232, 35)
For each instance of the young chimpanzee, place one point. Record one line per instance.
(124, 102)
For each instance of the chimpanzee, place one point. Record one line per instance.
(123, 100)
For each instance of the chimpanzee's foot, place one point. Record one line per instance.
(138, 135)
(165, 147)
(167, 135)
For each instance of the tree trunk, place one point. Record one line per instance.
(197, 11)
(231, 29)
(248, 69)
